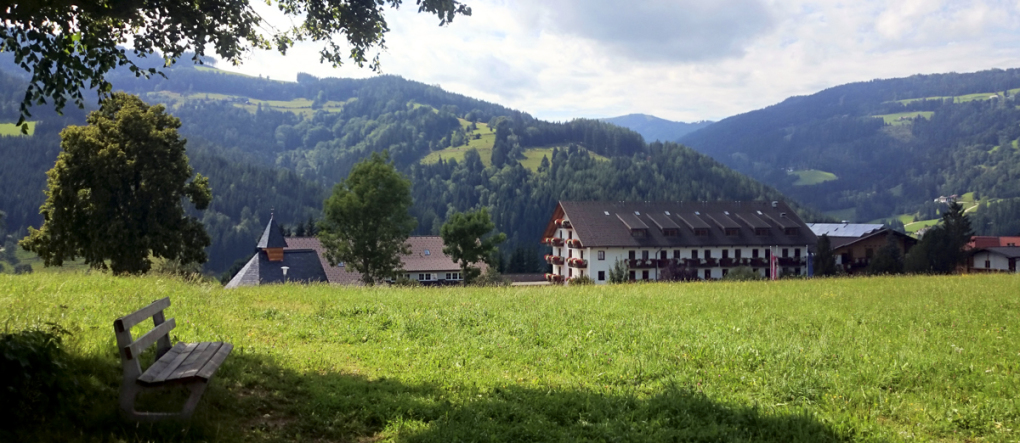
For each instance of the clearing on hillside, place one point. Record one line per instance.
(13, 130)
(903, 118)
(810, 177)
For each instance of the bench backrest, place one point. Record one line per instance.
(130, 349)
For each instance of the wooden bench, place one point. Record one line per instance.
(188, 365)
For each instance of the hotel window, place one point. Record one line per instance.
(632, 255)
(602, 255)
(736, 254)
(662, 255)
(632, 275)
(676, 253)
(644, 275)
(602, 275)
(570, 253)
(725, 253)
(724, 272)
(988, 264)
(732, 232)
(786, 252)
(796, 252)
(791, 231)
(761, 231)
(708, 253)
(694, 254)
(708, 274)
(768, 254)
(644, 255)
(754, 253)
(570, 235)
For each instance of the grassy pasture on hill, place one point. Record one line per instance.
(962, 98)
(903, 118)
(13, 130)
(868, 359)
(810, 177)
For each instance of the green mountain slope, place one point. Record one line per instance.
(269, 144)
(882, 148)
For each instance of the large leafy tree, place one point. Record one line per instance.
(68, 45)
(824, 259)
(367, 220)
(116, 192)
(941, 249)
(467, 240)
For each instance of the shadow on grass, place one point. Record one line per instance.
(252, 398)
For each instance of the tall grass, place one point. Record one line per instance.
(868, 359)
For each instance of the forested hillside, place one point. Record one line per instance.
(269, 145)
(884, 148)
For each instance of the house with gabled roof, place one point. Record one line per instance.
(282, 259)
(854, 244)
(274, 262)
(654, 239)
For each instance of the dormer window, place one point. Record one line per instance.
(701, 232)
(732, 232)
(791, 231)
(670, 232)
(638, 233)
(427, 252)
(761, 231)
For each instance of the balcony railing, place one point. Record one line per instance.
(577, 263)
(553, 259)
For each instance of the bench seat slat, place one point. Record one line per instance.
(126, 322)
(188, 362)
(143, 342)
(160, 376)
(214, 363)
(161, 364)
(195, 362)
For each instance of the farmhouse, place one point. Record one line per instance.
(993, 254)
(854, 244)
(274, 262)
(302, 259)
(661, 240)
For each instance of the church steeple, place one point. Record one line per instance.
(272, 241)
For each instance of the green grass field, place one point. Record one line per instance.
(810, 177)
(869, 359)
(13, 130)
(486, 138)
(903, 118)
(961, 98)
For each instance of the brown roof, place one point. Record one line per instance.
(607, 224)
(426, 256)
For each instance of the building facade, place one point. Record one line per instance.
(675, 240)
(854, 244)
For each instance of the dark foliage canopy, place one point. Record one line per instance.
(70, 45)
(116, 192)
(366, 221)
(467, 241)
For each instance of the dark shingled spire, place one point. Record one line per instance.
(272, 238)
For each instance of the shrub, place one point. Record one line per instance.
(23, 268)
(491, 277)
(582, 280)
(742, 273)
(33, 373)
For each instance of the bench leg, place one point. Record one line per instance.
(129, 393)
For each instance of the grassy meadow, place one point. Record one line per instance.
(808, 177)
(867, 359)
(903, 118)
(13, 130)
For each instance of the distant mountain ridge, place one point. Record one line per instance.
(881, 149)
(653, 128)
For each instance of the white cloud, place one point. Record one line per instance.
(681, 60)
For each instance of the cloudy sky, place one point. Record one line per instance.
(683, 60)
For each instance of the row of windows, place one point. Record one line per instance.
(703, 232)
(707, 273)
(708, 254)
(428, 276)
(694, 253)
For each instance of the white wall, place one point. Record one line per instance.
(996, 261)
(612, 254)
